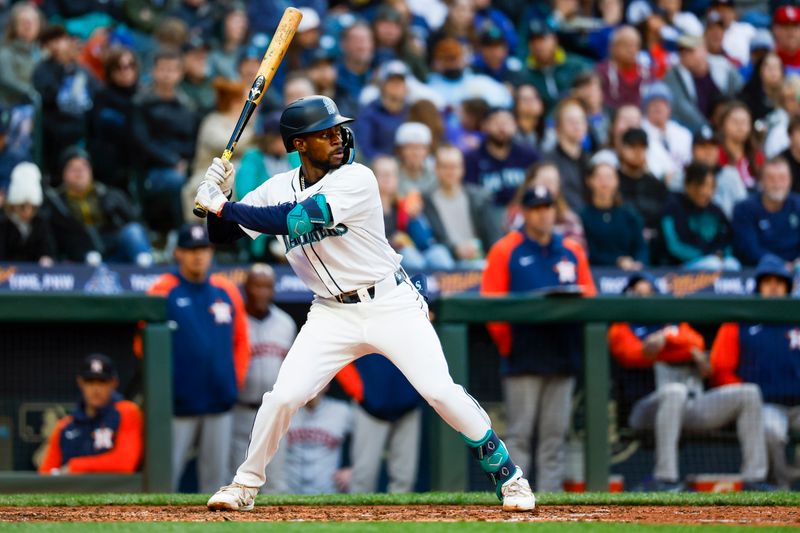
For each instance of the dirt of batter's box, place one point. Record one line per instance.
(745, 515)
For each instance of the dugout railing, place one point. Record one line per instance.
(70, 318)
(454, 314)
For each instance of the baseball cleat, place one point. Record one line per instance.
(517, 494)
(233, 497)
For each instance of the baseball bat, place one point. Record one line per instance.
(266, 71)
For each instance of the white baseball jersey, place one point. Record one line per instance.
(314, 446)
(270, 340)
(353, 252)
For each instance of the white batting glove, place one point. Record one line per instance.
(221, 173)
(210, 197)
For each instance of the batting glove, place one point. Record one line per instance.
(210, 197)
(221, 173)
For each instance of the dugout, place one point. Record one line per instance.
(43, 339)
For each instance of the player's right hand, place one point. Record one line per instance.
(210, 197)
(221, 173)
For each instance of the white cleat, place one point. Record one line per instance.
(517, 494)
(233, 497)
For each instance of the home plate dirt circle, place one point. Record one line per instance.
(721, 514)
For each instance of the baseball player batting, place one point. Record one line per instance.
(330, 216)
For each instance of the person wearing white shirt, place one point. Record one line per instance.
(660, 128)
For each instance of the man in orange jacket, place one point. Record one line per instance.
(676, 355)
(104, 434)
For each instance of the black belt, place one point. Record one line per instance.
(352, 297)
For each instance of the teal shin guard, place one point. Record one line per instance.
(492, 455)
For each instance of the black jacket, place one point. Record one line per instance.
(38, 244)
(110, 123)
(165, 130)
(488, 232)
(67, 94)
(74, 239)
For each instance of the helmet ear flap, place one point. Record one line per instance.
(349, 145)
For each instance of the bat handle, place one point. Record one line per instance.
(199, 211)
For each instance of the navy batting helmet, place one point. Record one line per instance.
(307, 115)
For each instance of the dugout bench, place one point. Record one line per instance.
(85, 313)
(453, 313)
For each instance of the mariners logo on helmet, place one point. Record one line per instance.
(307, 115)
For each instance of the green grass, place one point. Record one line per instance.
(429, 498)
(384, 527)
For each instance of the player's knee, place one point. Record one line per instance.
(751, 393)
(673, 392)
(436, 396)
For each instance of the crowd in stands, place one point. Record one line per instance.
(533, 140)
(668, 132)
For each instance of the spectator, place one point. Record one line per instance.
(378, 121)
(355, 67)
(486, 14)
(314, 446)
(621, 74)
(91, 221)
(210, 346)
(529, 114)
(777, 122)
(697, 81)
(19, 54)
(67, 92)
(24, 233)
(271, 332)
(638, 187)
(321, 72)
(738, 35)
(104, 435)
(714, 35)
(696, 232)
(568, 155)
(729, 190)
(613, 231)
(463, 127)
(738, 146)
(413, 146)
(499, 164)
(264, 15)
(792, 153)
(212, 137)
(551, 69)
(676, 353)
(305, 42)
(766, 355)
(545, 173)
(786, 29)
(653, 27)
(762, 92)
(770, 221)
(588, 90)
(493, 57)
(144, 16)
(456, 83)
(199, 16)
(539, 363)
(165, 128)
(111, 119)
(407, 229)
(456, 212)
(196, 83)
(460, 25)
(387, 420)
(9, 158)
(223, 58)
(393, 40)
(660, 128)
(425, 112)
(659, 162)
(683, 22)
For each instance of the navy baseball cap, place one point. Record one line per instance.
(641, 276)
(537, 196)
(193, 236)
(539, 28)
(705, 135)
(772, 265)
(98, 366)
(634, 136)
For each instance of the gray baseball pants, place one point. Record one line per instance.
(210, 435)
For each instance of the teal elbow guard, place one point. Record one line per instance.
(308, 215)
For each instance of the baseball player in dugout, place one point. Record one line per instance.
(677, 355)
(210, 352)
(271, 332)
(539, 363)
(103, 434)
(329, 214)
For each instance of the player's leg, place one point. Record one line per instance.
(672, 400)
(403, 458)
(555, 413)
(740, 402)
(326, 343)
(776, 431)
(184, 435)
(366, 450)
(213, 451)
(521, 397)
(397, 326)
(243, 418)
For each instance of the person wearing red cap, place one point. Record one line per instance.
(786, 29)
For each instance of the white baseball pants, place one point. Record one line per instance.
(395, 323)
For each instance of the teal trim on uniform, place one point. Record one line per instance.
(477, 443)
(492, 455)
